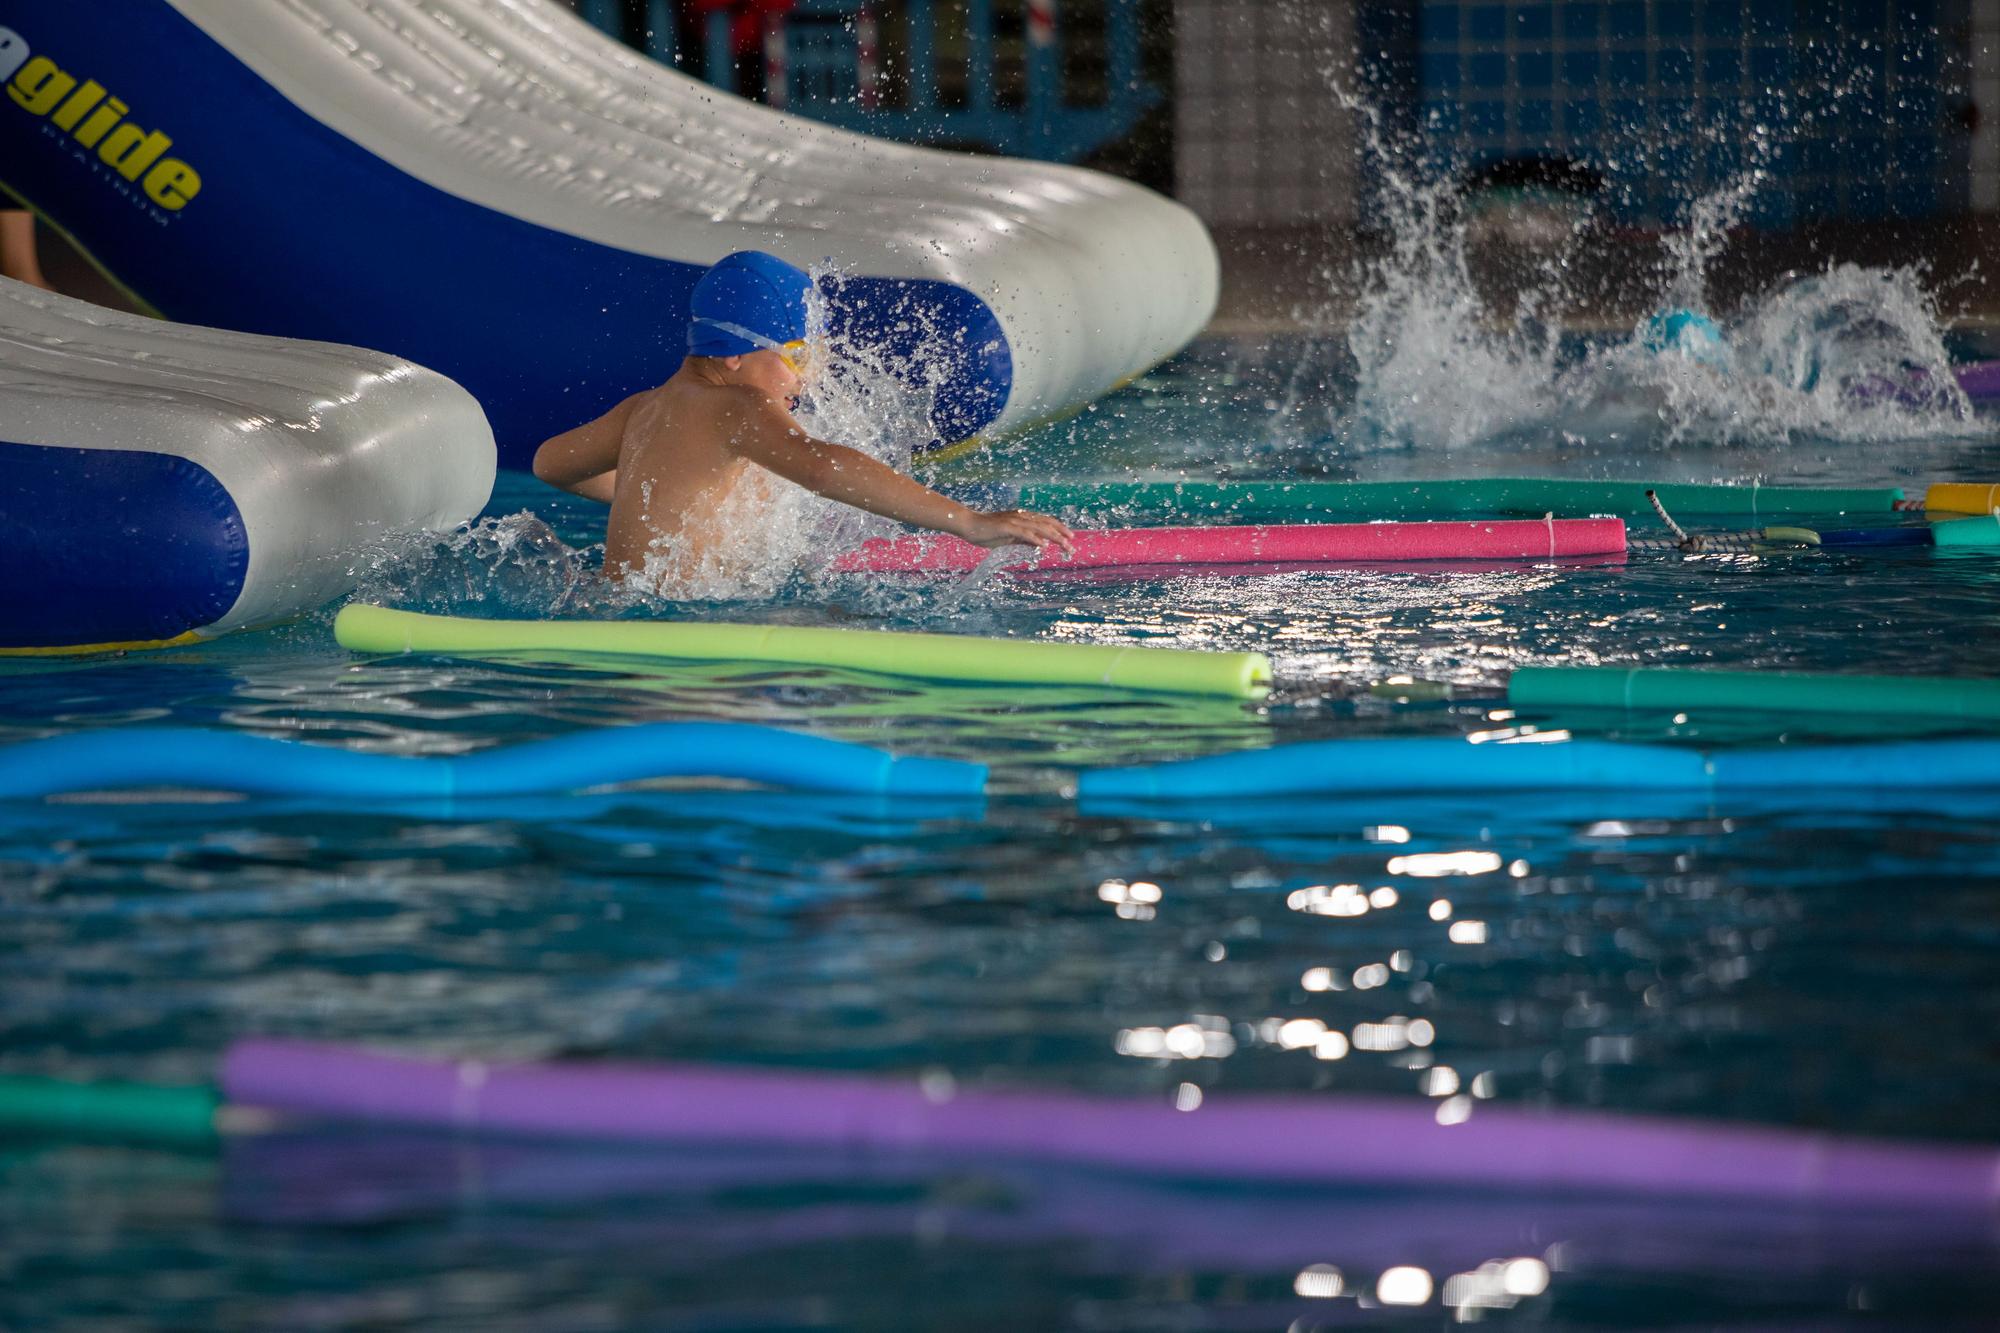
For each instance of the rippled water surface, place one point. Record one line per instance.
(1800, 961)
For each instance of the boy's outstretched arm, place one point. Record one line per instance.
(584, 461)
(768, 437)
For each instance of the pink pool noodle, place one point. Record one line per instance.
(1292, 1139)
(1290, 543)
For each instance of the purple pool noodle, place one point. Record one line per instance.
(1980, 380)
(709, 1201)
(1288, 1139)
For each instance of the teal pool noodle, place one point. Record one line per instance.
(126, 758)
(1981, 530)
(1280, 501)
(1773, 691)
(1448, 764)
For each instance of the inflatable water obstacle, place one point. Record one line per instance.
(494, 189)
(161, 483)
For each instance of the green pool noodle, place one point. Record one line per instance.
(1773, 691)
(1981, 531)
(1294, 501)
(946, 657)
(128, 1111)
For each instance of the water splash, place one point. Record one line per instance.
(1850, 354)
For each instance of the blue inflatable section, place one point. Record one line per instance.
(298, 232)
(1439, 764)
(125, 758)
(167, 550)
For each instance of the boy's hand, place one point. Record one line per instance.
(1016, 527)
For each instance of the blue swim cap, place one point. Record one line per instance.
(749, 300)
(1693, 335)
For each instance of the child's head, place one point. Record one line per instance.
(751, 305)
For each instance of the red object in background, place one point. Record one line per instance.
(749, 19)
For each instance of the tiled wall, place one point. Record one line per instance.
(1259, 135)
(1985, 62)
(1663, 96)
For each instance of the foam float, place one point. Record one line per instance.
(947, 657)
(1245, 1137)
(496, 189)
(1449, 764)
(1299, 543)
(161, 483)
(134, 758)
(1775, 691)
(1289, 501)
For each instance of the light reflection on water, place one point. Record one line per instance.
(1794, 961)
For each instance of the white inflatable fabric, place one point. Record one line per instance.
(498, 190)
(160, 481)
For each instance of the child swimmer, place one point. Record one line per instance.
(682, 463)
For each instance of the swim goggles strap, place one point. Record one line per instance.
(748, 335)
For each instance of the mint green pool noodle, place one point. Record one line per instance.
(1980, 531)
(1775, 691)
(107, 1110)
(1294, 501)
(952, 657)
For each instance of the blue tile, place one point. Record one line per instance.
(1438, 23)
(1486, 71)
(1625, 119)
(1438, 72)
(1582, 21)
(1721, 160)
(1721, 67)
(1534, 22)
(1627, 69)
(1919, 198)
(1580, 69)
(1769, 66)
(1486, 23)
(1819, 157)
(1673, 19)
(1863, 17)
(1721, 18)
(1442, 120)
(1584, 117)
(1625, 19)
(1535, 119)
(1485, 120)
(1674, 68)
(1534, 69)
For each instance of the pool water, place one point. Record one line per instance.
(1801, 960)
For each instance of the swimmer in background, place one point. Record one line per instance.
(677, 462)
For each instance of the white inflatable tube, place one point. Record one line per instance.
(498, 190)
(160, 482)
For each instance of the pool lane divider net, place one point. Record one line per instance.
(1285, 1139)
(966, 659)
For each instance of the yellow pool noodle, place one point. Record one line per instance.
(1963, 497)
(946, 657)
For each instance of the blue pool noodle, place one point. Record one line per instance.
(1436, 764)
(126, 758)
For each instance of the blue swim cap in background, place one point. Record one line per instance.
(1693, 335)
(747, 296)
